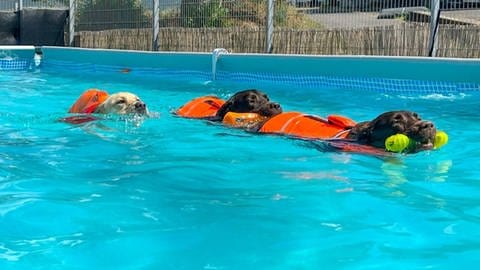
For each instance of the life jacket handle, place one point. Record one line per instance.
(341, 121)
(338, 120)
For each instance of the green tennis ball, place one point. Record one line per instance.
(441, 138)
(397, 143)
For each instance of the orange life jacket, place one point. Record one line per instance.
(308, 126)
(290, 123)
(88, 101)
(201, 107)
(294, 124)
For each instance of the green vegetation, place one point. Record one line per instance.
(247, 13)
(111, 14)
(195, 13)
(251, 14)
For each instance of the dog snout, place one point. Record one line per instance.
(271, 109)
(274, 106)
(140, 106)
(427, 125)
(422, 131)
(424, 127)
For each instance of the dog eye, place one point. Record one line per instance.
(120, 101)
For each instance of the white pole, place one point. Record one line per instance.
(156, 24)
(269, 46)
(434, 21)
(71, 23)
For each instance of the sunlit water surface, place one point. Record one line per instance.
(172, 193)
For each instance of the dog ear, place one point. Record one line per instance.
(361, 131)
(226, 107)
(366, 134)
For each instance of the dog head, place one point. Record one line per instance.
(250, 101)
(375, 132)
(122, 103)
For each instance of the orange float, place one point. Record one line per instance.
(242, 120)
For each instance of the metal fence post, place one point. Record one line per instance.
(434, 20)
(71, 23)
(269, 35)
(155, 25)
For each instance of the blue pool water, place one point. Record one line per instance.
(173, 193)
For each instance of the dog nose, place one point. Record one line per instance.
(274, 106)
(427, 124)
(140, 105)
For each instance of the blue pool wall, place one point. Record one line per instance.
(24, 52)
(16, 57)
(131, 59)
(308, 70)
(410, 68)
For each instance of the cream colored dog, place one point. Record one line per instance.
(122, 103)
(96, 101)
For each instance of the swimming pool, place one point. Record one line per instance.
(173, 193)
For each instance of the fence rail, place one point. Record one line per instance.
(357, 27)
(399, 40)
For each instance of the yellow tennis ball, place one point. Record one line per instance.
(441, 138)
(397, 143)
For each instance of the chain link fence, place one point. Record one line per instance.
(356, 27)
(14, 5)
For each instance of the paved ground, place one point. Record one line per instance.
(470, 15)
(368, 19)
(352, 20)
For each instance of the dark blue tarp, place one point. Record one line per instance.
(33, 27)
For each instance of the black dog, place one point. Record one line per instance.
(375, 132)
(249, 101)
(369, 133)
